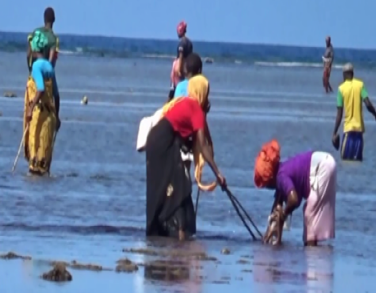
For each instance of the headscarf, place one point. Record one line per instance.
(39, 41)
(181, 28)
(198, 87)
(267, 163)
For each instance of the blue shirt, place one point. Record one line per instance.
(181, 89)
(40, 70)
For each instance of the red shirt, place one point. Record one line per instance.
(186, 117)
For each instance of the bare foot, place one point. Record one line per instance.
(311, 243)
(181, 235)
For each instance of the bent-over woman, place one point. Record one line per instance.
(40, 117)
(310, 176)
(169, 208)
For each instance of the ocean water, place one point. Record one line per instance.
(246, 54)
(93, 205)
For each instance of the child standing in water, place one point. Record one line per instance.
(192, 67)
(310, 176)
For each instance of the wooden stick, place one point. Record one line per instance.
(19, 149)
(246, 214)
(234, 204)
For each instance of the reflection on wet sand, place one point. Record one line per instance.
(275, 266)
(167, 270)
(175, 262)
(319, 268)
(181, 264)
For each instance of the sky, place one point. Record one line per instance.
(350, 23)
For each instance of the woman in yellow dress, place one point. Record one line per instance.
(40, 116)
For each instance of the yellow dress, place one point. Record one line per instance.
(38, 143)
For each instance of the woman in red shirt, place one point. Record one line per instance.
(169, 207)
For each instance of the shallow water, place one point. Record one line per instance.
(93, 206)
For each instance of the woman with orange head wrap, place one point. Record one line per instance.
(310, 176)
(169, 207)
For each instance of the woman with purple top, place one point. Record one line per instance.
(310, 176)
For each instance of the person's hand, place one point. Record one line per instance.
(335, 141)
(29, 113)
(273, 233)
(221, 181)
(208, 108)
(58, 124)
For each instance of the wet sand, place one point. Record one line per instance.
(92, 208)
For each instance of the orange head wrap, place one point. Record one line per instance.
(267, 163)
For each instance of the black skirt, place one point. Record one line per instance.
(169, 206)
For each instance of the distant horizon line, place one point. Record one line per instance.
(196, 40)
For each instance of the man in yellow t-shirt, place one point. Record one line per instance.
(350, 97)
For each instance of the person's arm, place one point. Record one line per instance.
(292, 204)
(339, 113)
(170, 95)
(181, 62)
(367, 102)
(278, 201)
(205, 150)
(51, 56)
(37, 75)
(207, 134)
(181, 48)
(286, 187)
(28, 52)
(276, 214)
(54, 49)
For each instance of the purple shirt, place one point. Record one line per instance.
(293, 174)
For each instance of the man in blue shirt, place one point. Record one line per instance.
(192, 67)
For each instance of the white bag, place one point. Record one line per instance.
(146, 124)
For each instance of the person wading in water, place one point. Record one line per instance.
(169, 206)
(184, 49)
(328, 61)
(40, 116)
(309, 176)
(50, 52)
(351, 95)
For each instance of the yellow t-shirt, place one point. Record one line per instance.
(351, 94)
